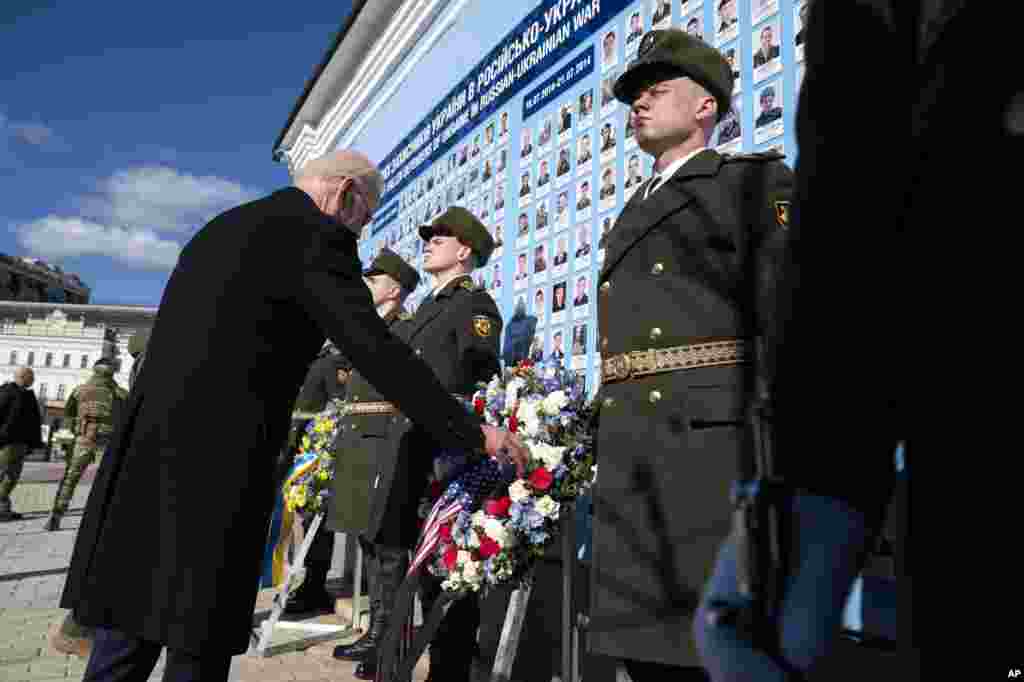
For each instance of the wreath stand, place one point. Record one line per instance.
(571, 626)
(261, 640)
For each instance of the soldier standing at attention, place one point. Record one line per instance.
(90, 411)
(677, 313)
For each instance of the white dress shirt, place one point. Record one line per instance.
(657, 180)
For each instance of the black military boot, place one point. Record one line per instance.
(312, 596)
(392, 563)
(357, 649)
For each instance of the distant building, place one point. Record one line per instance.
(32, 280)
(60, 342)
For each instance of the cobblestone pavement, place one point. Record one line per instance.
(33, 567)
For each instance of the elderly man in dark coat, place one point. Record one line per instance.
(170, 549)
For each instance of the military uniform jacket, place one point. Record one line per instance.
(170, 548)
(678, 269)
(457, 333)
(93, 408)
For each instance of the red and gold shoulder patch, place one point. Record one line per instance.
(782, 213)
(482, 326)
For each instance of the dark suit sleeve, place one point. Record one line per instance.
(770, 253)
(332, 292)
(478, 349)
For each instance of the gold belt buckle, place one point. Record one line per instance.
(619, 367)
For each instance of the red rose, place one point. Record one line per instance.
(498, 508)
(479, 405)
(435, 489)
(446, 533)
(450, 555)
(488, 548)
(541, 478)
(513, 423)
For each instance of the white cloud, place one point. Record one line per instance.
(135, 217)
(162, 198)
(55, 237)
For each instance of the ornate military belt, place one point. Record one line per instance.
(304, 415)
(640, 363)
(378, 407)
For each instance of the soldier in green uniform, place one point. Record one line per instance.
(364, 441)
(457, 331)
(91, 410)
(677, 311)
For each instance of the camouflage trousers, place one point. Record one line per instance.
(12, 460)
(84, 454)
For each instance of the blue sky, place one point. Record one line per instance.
(123, 129)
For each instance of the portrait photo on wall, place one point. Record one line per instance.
(607, 223)
(544, 137)
(563, 171)
(732, 55)
(607, 194)
(526, 143)
(584, 155)
(586, 108)
(540, 309)
(581, 299)
(558, 303)
(561, 260)
(543, 177)
(583, 247)
(496, 276)
(523, 231)
(634, 29)
(522, 271)
(583, 201)
(502, 163)
(537, 347)
(525, 189)
(729, 133)
(540, 224)
(463, 155)
(630, 134)
(557, 355)
(475, 152)
(562, 210)
(499, 200)
(799, 23)
(694, 25)
(489, 137)
(609, 50)
(609, 139)
(767, 59)
(661, 13)
(727, 21)
(634, 174)
(503, 129)
(768, 122)
(565, 114)
(760, 9)
(579, 338)
(540, 262)
(608, 101)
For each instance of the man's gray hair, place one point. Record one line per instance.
(345, 163)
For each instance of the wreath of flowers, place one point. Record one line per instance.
(308, 485)
(487, 547)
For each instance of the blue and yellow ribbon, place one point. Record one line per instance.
(304, 465)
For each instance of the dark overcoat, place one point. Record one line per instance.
(457, 333)
(171, 544)
(679, 269)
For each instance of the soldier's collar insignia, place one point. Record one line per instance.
(404, 316)
(482, 326)
(645, 44)
(467, 284)
(782, 213)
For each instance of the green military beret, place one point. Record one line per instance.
(458, 222)
(388, 262)
(672, 53)
(138, 342)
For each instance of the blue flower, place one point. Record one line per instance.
(538, 536)
(560, 471)
(535, 519)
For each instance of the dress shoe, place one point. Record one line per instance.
(367, 668)
(309, 601)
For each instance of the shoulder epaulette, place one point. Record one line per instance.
(753, 156)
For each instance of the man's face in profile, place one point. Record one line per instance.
(609, 46)
(729, 10)
(634, 23)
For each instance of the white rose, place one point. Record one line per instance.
(473, 540)
(470, 569)
(549, 455)
(548, 507)
(554, 402)
(463, 557)
(496, 530)
(512, 392)
(518, 491)
(479, 518)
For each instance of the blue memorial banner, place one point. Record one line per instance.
(566, 77)
(539, 41)
(384, 218)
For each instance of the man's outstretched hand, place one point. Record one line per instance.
(505, 447)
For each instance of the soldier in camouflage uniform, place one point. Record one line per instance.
(90, 410)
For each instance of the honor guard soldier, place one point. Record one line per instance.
(457, 332)
(676, 317)
(366, 450)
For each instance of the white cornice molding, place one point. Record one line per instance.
(362, 98)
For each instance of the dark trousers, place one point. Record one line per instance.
(829, 544)
(454, 645)
(649, 671)
(117, 657)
